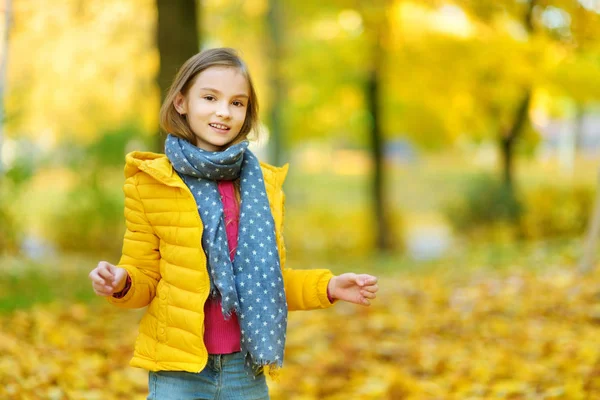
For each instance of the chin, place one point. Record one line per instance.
(222, 145)
(226, 143)
(218, 145)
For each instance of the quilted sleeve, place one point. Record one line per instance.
(140, 255)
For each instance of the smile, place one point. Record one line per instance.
(219, 126)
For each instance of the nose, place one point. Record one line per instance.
(223, 110)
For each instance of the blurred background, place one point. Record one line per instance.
(449, 147)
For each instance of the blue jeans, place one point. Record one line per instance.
(223, 378)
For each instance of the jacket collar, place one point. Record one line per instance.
(158, 166)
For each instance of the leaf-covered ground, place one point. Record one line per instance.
(492, 335)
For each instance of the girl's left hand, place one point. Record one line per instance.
(354, 288)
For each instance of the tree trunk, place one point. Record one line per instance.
(377, 155)
(383, 236)
(506, 146)
(177, 39)
(275, 21)
(509, 138)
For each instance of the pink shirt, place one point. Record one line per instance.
(223, 336)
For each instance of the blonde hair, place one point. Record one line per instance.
(176, 124)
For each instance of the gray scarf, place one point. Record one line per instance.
(251, 286)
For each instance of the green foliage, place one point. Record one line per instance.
(556, 211)
(446, 78)
(396, 226)
(91, 218)
(9, 230)
(487, 203)
(487, 210)
(25, 283)
(12, 182)
(334, 234)
(20, 172)
(328, 233)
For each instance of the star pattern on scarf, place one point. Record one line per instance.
(251, 285)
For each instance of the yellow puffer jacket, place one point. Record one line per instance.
(162, 254)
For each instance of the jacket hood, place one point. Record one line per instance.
(156, 165)
(140, 160)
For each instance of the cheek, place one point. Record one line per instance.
(241, 115)
(200, 108)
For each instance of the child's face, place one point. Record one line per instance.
(215, 106)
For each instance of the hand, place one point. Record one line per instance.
(357, 289)
(108, 279)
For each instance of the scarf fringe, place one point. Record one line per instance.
(270, 368)
(215, 294)
(227, 314)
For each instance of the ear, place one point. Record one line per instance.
(180, 104)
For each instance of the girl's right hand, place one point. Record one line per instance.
(108, 279)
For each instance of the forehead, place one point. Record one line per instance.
(227, 80)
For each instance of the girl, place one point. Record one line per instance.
(204, 249)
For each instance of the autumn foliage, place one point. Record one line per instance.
(483, 335)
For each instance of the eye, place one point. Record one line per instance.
(238, 103)
(209, 98)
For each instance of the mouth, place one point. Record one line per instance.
(219, 127)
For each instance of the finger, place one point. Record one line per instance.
(106, 274)
(105, 265)
(103, 287)
(364, 280)
(368, 295)
(371, 288)
(365, 302)
(102, 293)
(348, 278)
(96, 279)
(111, 268)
